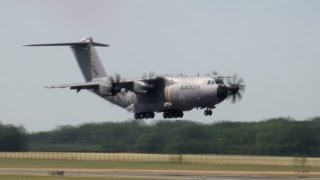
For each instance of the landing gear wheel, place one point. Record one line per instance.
(147, 115)
(176, 114)
(165, 115)
(152, 115)
(141, 115)
(181, 114)
(206, 112)
(136, 115)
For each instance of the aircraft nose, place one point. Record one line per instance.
(222, 92)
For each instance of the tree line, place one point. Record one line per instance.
(278, 136)
(13, 138)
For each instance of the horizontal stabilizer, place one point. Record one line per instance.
(77, 86)
(83, 42)
(71, 44)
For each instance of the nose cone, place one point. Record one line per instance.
(222, 92)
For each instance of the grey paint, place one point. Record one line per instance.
(145, 95)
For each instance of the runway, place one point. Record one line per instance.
(162, 174)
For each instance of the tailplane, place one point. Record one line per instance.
(86, 56)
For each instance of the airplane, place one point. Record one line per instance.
(150, 94)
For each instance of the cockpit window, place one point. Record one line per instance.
(212, 82)
(209, 82)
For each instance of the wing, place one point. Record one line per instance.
(77, 86)
(136, 85)
(144, 85)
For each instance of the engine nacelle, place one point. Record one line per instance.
(104, 89)
(141, 87)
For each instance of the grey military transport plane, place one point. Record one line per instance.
(170, 95)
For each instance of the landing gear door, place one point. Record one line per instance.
(182, 99)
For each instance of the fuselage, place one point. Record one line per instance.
(173, 93)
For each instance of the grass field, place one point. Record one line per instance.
(167, 158)
(26, 163)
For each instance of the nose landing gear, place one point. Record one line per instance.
(208, 112)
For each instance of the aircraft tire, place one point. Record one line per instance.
(181, 114)
(136, 115)
(165, 115)
(152, 115)
(147, 115)
(176, 114)
(141, 115)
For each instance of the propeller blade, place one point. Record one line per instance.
(229, 81)
(242, 89)
(152, 75)
(215, 73)
(144, 76)
(239, 95)
(240, 81)
(234, 79)
(111, 79)
(118, 77)
(148, 75)
(233, 98)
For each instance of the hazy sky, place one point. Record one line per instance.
(273, 45)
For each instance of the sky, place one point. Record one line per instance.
(272, 44)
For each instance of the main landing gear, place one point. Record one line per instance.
(173, 114)
(144, 115)
(208, 112)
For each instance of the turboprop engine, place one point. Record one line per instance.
(104, 90)
(141, 87)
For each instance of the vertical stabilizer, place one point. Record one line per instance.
(88, 60)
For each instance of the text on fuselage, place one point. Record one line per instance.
(190, 87)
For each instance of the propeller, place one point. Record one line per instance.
(235, 88)
(148, 75)
(113, 81)
(213, 73)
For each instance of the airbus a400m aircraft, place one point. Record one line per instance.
(150, 94)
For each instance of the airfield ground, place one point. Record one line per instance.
(70, 164)
(42, 169)
(46, 165)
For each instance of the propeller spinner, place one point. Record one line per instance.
(235, 88)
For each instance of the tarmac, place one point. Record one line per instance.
(162, 174)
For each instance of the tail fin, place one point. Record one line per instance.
(87, 57)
